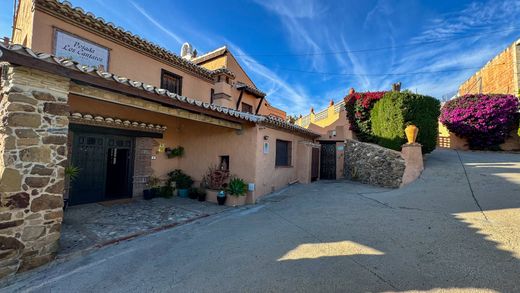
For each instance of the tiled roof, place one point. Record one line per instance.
(210, 55)
(93, 72)
(97, 25)
(249, 89)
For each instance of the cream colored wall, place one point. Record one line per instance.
(161, 165)
(220, 62)
(240, 74)
(204, 144)
(269, 177)
(24, 23)
(123, 61)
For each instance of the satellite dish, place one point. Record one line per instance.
(187, 51)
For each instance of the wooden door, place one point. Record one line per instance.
(89, 155)
(328, 161)
(315, 164)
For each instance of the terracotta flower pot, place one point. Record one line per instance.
(411, 133)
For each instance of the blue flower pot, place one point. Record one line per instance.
(184, 192)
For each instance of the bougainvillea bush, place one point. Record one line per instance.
(485, 120)
(358, 106)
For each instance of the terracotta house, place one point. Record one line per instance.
(76, 89)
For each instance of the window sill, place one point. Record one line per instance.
(283, 167)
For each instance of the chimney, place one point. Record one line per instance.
(351, 91)
(312, 109)
(331, 103)
(396, 87)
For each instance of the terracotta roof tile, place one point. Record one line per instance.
(265, 120)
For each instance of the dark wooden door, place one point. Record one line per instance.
(328, 161)
(89, 155)
(315, 164)
(105, 164)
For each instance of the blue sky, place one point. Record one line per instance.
(305, 53)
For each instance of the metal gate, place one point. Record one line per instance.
(105, 164)
(328, 161)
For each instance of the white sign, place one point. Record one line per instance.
(80, 50)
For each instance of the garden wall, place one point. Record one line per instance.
(372, 164)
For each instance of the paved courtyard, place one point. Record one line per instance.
(93, 225)
(456, 229)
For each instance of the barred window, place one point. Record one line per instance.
(283, 153)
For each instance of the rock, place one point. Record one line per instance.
(7, 243)
(62, 151)
(56, 188)
(59, 109)
(26, 133)
(41, 170)
(18, 200)
(28, 141)
(24, 120)
(43, 96)
(36, 154)
(15, 107)
(55, 139)
(10, 180)
(5, 217)
(5, 225)
(32, 232)
(46, 202)
(21, 98)
(53, 215)
(37, 182)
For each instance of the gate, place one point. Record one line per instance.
(328, 161)
(105, 166)
(315, 164)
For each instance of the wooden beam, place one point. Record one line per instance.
(239, 98)
(259, 105)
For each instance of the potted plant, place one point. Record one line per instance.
(201, 194)
(154, 184)
(237, 188)
(71, 173)
(183, 182)
(174, 152)
(221, 195)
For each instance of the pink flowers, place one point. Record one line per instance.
(358, 106)
(486, 120)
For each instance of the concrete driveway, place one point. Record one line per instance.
(456, 229)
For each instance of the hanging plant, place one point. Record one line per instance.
(174, 152)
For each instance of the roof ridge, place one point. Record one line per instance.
(93, 71)
(66, 11)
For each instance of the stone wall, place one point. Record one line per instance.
(373, 164)
(33, 154)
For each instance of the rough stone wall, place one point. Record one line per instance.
(373, 164)
(33, 153)
(142, 164)
(497, 76)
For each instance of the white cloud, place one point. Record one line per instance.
(144, 13)
(281, 93)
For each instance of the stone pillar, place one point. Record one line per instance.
(412, 155)
(33, 154)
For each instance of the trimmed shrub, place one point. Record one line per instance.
(358, 106)
(485, 120)
(396, 110)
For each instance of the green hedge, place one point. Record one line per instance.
(396, 110)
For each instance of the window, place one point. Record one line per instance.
(224, 163)
(247, 108)
(171, 82)
(283, 153)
